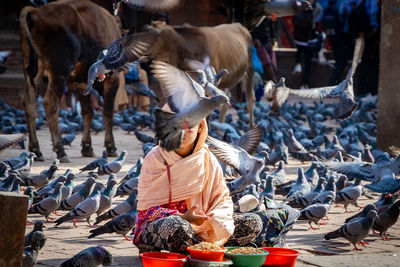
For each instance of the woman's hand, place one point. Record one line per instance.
(193, 218)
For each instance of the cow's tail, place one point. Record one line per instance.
(24, 24)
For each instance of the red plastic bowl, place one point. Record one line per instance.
(163, 259)
(206, 255)
(282, 257)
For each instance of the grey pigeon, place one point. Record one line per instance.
(42, 179)
(140, 88)
(14, 161)
(267, 187)
(8, 183)
(257, 10)
(128, 187)
(248, 166)
(388, 183)
(30, 192)
(38, 226)
(302, 202)
(134, 171)
(80, 186)
(187, 101)
(330, 190)
(386, 220)
(7, 140)
(49, 204)
(107, 196)
(119, 209)
(84, 209)
(113, 166)
(25, 167)
(96, 163)
(350, 194)
(279, 174)
(48, 189)
(355, 230)
(120, 224)
(77, 197)
(30, 253)
(300, 187)
(316, 212)
(90, 257)
(342, 94)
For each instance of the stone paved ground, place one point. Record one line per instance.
(65, 241)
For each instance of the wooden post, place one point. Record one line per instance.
(13, 212)
(389, 76)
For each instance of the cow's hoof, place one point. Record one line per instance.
(64, 160)
(87, 153)
(39, 156)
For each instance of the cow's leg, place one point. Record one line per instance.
(50, 103)
(87, 115)
(250, 95)
(110, 89)
(31, 107)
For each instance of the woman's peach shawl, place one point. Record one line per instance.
(197, 179)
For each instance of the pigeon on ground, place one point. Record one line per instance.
(30, 192)
(14, 161)
(30, 253)
(134, 171)
(77, 197)
(49, 204)
(187, 101)
(8, 184)
(300, 187)
(25, 167)
(96, 163)
(80, 186)
(107, 196)
(84, 209)
(386, 220)
(350, 194)
(316, 212)
(121, 224)
(68, 138)
(256, 10)
(330, 190)
(90, 257)
(355, 230)
(279, 174)
(113, 166)
(130, 186)
(119, 209)
(42, 179)
(38, 226)
(7, 140)
(302, 202)
(342, 182)
(267, 187)
(49, 188)
(144, 138)
(248, 166)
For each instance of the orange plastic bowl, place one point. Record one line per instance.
(163, 259)
(207, 255)
(282, 257)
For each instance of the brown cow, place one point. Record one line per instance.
(228, 46)
(60, 41)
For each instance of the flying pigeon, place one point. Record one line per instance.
(113, 166)
(355, 230)
(388, 183)
(256, 10)
(187, 101)
(7, 140)
(96, 163)
(85, 208)
(90, 257)
(49, 204)
(248, 166)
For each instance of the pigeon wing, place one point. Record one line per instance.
(225, 152)
(362, 170)
(9, 139)
(250, 140)
(181, 91)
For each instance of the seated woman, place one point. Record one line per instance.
(183, 200)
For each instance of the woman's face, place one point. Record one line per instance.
(190, 136)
